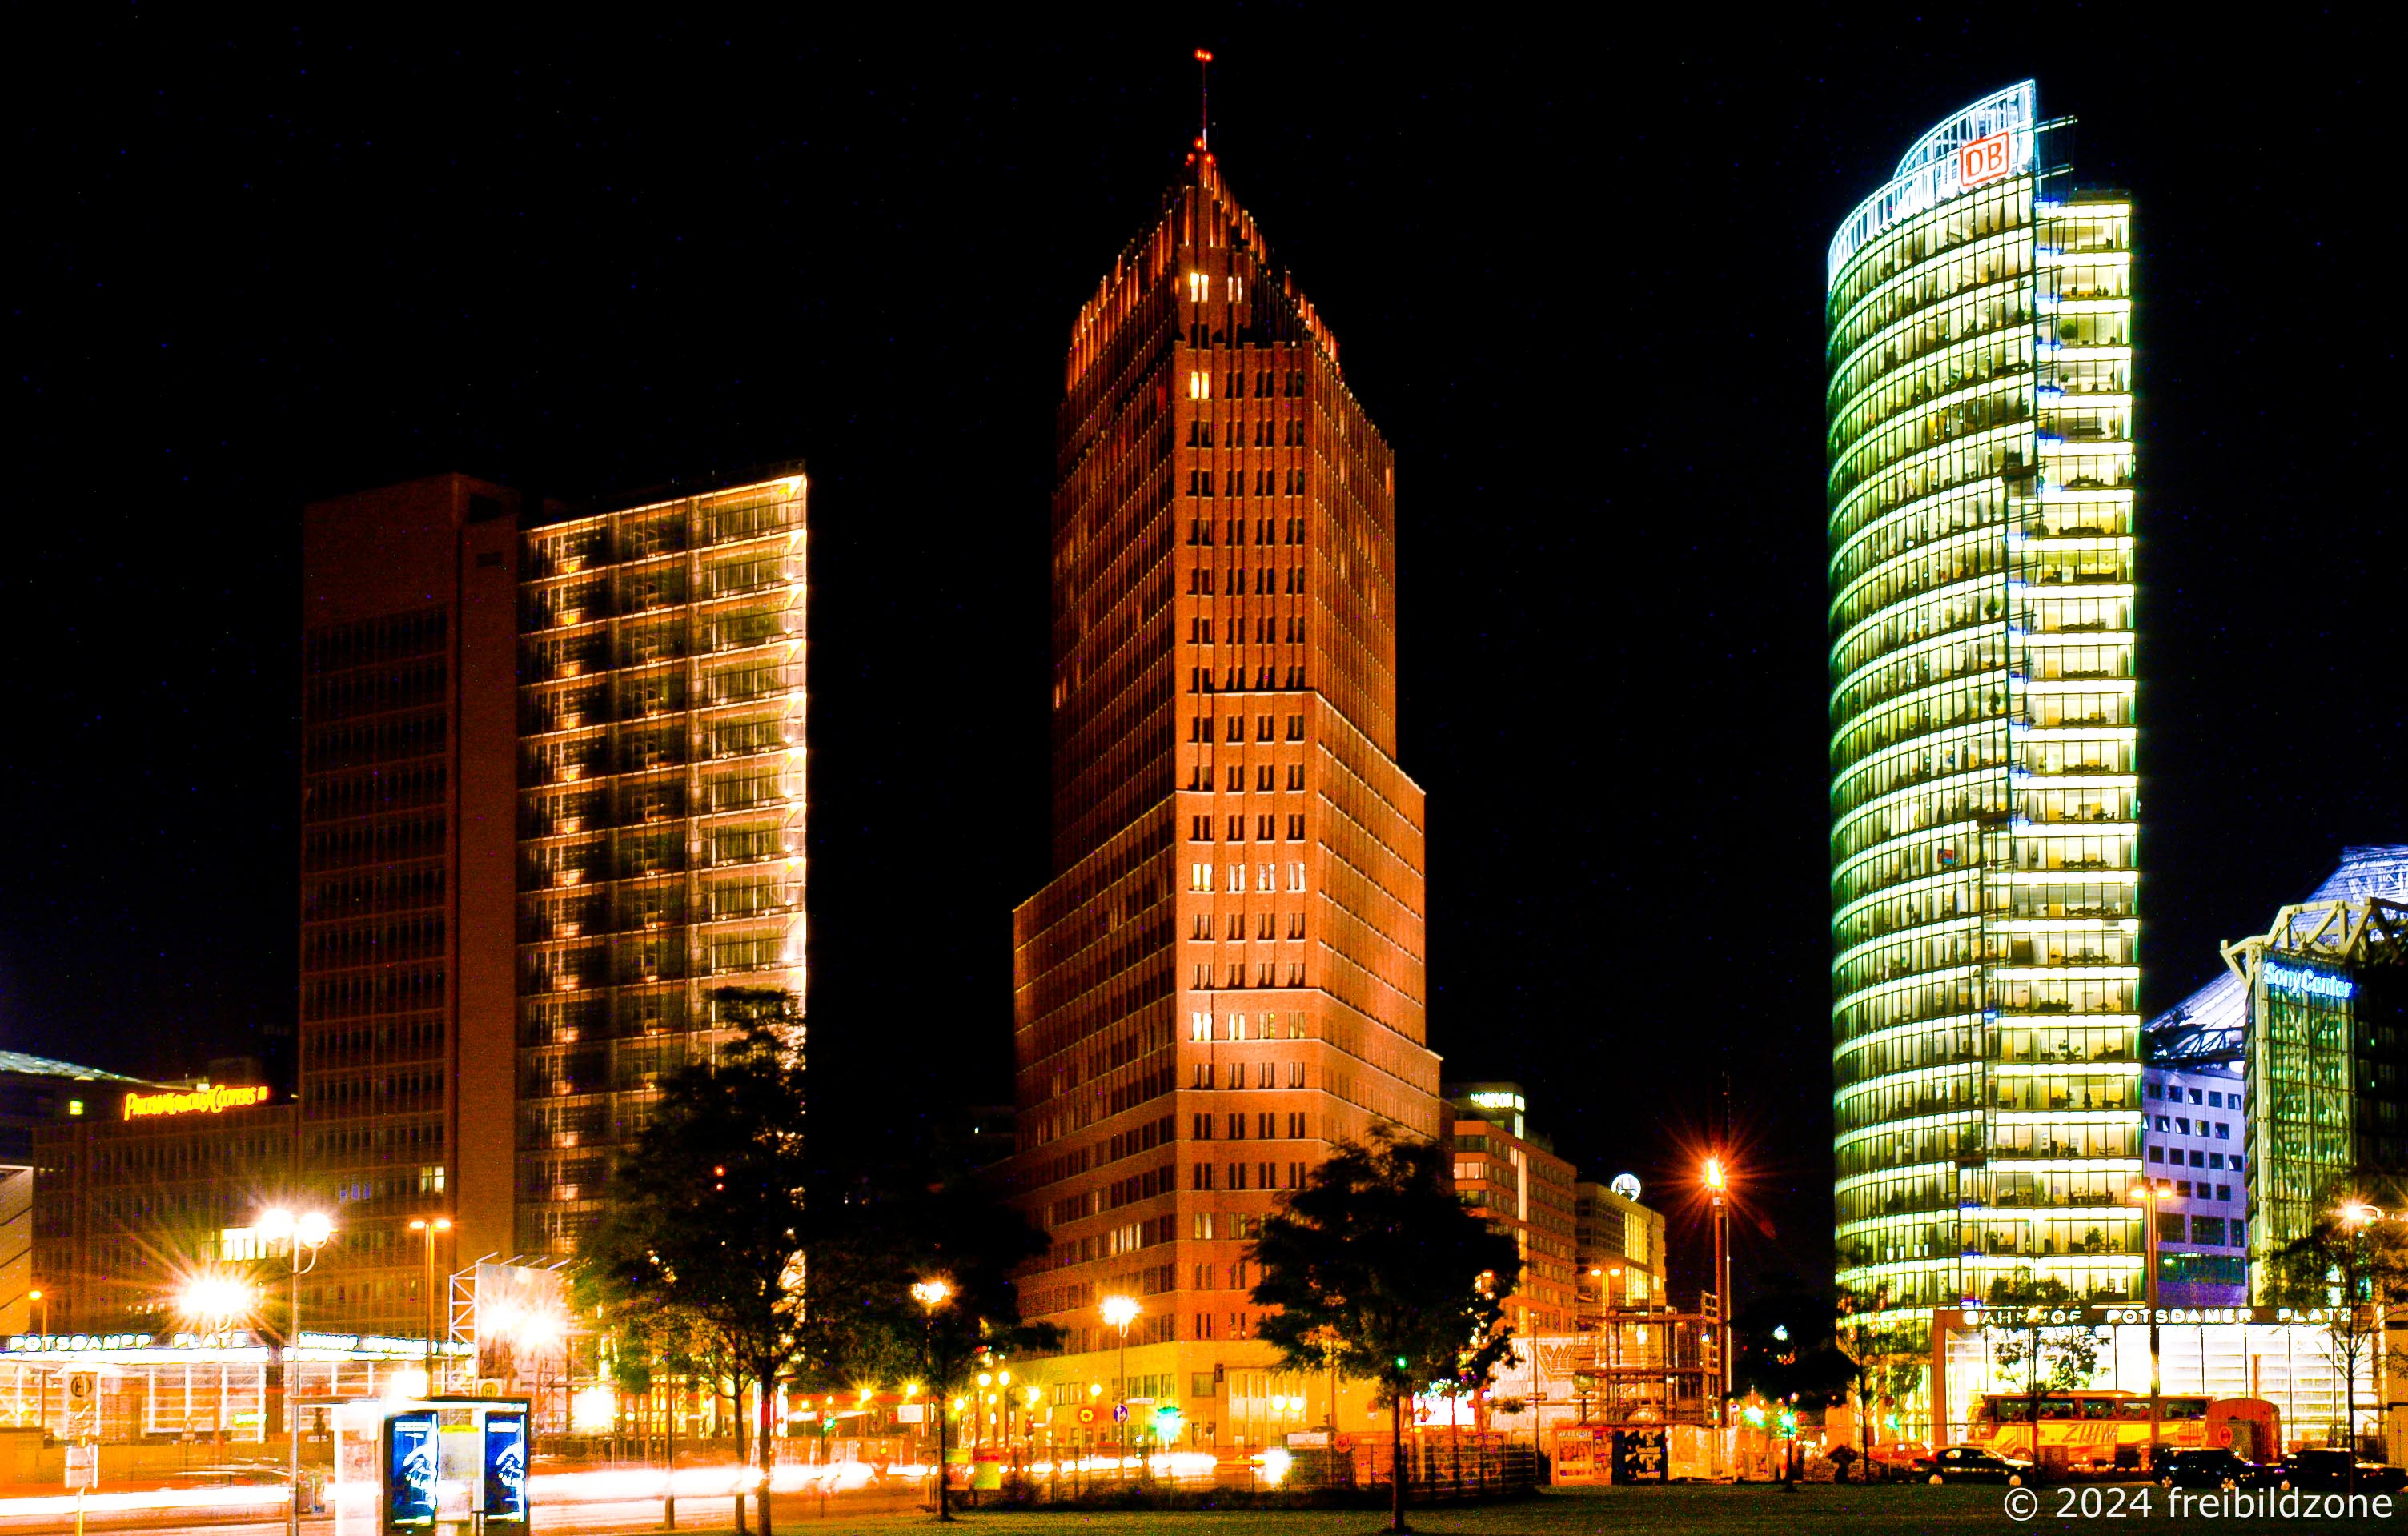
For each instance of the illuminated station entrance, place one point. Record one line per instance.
(126, 1388)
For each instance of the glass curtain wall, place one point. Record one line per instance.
(1984, 878)
(662, 812)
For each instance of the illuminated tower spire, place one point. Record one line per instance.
(1224, 974)
(1204, 99)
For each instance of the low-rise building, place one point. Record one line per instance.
(2324, 994)
(2193, 1142)
(35, 1091)
(1512, 1176)
(133, 1197)
(1617, 1251)
(2278, 1078)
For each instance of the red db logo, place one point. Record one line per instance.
(1984, 159)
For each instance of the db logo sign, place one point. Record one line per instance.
(1087, 1415)
(1984, 159)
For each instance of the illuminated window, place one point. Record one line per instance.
(1199, 385)
(1200, 1026)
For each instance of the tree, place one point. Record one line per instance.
(2052, 1358)
(2350, 1268)
(1890, 1360)
(707, 1225)
(1380, 1273)
(895, 1227)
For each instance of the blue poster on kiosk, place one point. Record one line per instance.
(409, 1469)
(506, 1467)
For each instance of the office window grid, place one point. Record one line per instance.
(1984, 800)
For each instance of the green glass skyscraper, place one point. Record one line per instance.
(1983, 817)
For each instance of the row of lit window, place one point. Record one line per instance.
(1871, 385)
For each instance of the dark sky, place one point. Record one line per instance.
(1578, 283)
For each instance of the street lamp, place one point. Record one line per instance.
(1717, 1185)
(209, 1303)
(1120, 1312)
(213, 1300)
(308, 1229)
(2356, 1215)
(36, 1296)
(2146, 1192)
(430, 1225)
(932, 1295)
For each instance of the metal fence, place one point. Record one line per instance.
(1434, 1473)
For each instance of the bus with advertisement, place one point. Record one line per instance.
(2103, 1429)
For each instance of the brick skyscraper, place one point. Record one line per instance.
(1224, 974)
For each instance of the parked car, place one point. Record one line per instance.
(1974, 1464)
(2216, 1467)
(1897, 1461)
(2327, 1469)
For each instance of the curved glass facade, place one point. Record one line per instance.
(1983, 815)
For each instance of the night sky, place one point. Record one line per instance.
(1577, 280)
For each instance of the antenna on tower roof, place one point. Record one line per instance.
(1204, 92)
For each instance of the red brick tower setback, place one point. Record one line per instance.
(1225, 973)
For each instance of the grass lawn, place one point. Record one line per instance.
(1744, 1510)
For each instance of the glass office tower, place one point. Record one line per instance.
(1983, 815)
(661, 809)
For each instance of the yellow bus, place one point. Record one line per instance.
(2090, 1429)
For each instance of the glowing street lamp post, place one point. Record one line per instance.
(309, 1229)
(2358, 1215)
(212, 1302)
(931, 1294)
(430, 1227)
(1717, 1182)
(1120, 1312)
